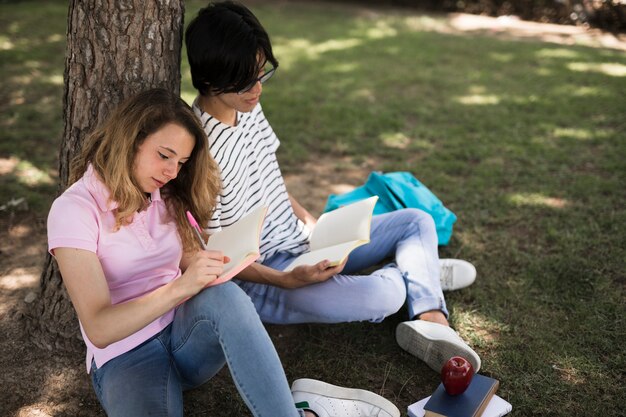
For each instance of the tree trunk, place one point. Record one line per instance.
(115, 48)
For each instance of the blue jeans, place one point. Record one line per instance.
(407, 235)
(217, 326)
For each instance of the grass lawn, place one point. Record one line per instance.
(525, 140)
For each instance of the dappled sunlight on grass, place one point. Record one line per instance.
(582, 91)
(513, 27)
(342, 67)
(524, 99)
(426, 22)
(30, 175)
(361, 94)
(31, 43)
(537, 200)
(291, 51)
(8, 165)
(396, 140)
(472, 238)
(32, 64)
(55, 79)
(586, 91)
(546, 72)
(333, 45)
(36, 71)
(400, 140)
(55, 37)
(476, 328)
(22, 79)
(502, 57)
(568, 372)
(25, 172)
(6, 44)
(612, 69)
(478, 99)
(478, 96)
(381, 29)
(557, 53)
(574, 133)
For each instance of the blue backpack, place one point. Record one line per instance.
(398, 190)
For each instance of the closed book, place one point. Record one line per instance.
(497, 407)
(470, 403)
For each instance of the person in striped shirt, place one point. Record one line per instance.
(230, 56)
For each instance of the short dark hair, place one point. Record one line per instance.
(223, 43)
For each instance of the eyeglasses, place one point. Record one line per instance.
(266, 76)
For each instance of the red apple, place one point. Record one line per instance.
(456, 375)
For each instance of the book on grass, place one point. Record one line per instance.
(471, 403)
(337, 233)
(497, 407)
(240, 242)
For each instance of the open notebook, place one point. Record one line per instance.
(240, 242)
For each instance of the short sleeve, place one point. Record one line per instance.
(73, 222)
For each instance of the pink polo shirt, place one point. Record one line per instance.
(136, 259)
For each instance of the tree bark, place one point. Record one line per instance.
(115, 48)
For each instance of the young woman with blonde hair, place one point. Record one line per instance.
(137, 278)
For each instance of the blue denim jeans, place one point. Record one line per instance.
(216, 327)
(409, 236)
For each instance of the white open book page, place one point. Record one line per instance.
(239, 241)
(337, 233)
(347, 223)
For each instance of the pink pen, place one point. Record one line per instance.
(196, 228)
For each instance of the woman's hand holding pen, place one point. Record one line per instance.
(204, 268)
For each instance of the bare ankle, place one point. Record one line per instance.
(434, 316)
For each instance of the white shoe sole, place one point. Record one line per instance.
(435, 352)
(324, 389)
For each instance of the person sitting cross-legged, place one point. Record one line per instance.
(231, 57)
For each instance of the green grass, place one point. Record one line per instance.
(32, 59)
(524, 140)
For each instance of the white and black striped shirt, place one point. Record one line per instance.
(251, 177)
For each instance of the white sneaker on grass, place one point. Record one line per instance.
(327, 400)
(434, 343)
(456, 274)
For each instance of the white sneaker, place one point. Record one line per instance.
(328, 400)
(456, 274)
(434, 343)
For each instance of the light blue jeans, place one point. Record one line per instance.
(217, 326)
(407, 235)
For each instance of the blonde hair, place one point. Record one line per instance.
(112, 147)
